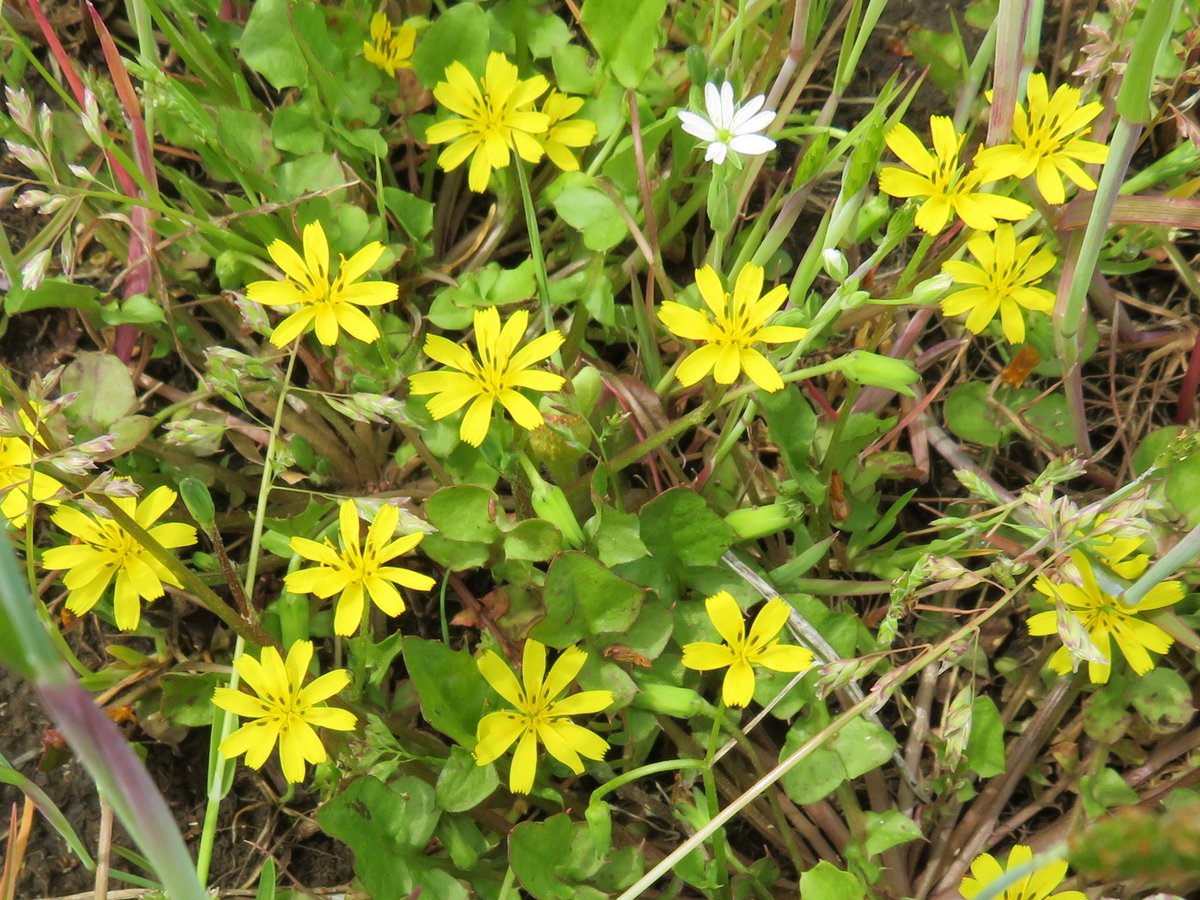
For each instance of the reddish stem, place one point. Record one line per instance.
(1186, 403)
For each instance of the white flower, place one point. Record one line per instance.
(729, 126)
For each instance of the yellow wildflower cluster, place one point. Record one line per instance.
(1081, 603)
(390, 47)
(1048, 141)
(496, 117)
(22, 485)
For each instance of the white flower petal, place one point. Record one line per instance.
(746, 111)
(716, 152)
(727, 106)
(697, 125)
(756, 124)
(712, 103)
(751, 144)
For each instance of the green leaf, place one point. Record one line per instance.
(534, 540)
(679, 526)
(187, 697)
(266, 881)
(1163, 699)
(246, 139)
(451, 689)
(387, 826)
(970, 416)
(295, 129)
(591, 212)
(464, 842)
(458, 556)
(414, 214)
(626, 34)
(1049, 416)
(584, 599)
(372, 658)
(817, 776)
(889, 829)
(462, 784)
(136, 310)
(53, 293)
(792, 425)
(1182, 487)
(460, 34)
(828, 882)
(550, 858)
(863, 746)
(985, 746)
(617, 536)
(269, 46)
(1104, 790)
(464, 512)
(104, 387)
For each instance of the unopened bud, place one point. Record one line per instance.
(833, 261)
(752, 523)
(199, 503)
(669, 700)
(931, 290)
(551, 504)
(879, 371)
(20, 108)
(587, 385)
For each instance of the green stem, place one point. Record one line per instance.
(697, 416)
(914, 263)
(714, 803)
(535, 249)
(220, 769)
(1170, 562)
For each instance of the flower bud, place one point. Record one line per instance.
(199, 503)
(550, 503)
(752, 523)
(587, 385)
(879, 371)
(833, 261)
(931, 289)
(669, 700)
(599, 825)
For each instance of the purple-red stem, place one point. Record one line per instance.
(138, 279)
(1186, 404)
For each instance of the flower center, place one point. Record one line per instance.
(735, 326)
(116, 543)
(1004, 279)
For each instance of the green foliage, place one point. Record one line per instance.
(626, 34)
(903, 492)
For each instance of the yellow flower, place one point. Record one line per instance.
(1049, 140)
(730, 329)
(390, 47)
(330, 306)
(107, 550)
(284, 712)
(538, 715)
(21, 485)
(1035, 886)
(494, 119)
(357, 572)
(564, 132)
(1006, 279)
(940, 179)
(496, 375)
(742, 652)
(1115, 550)
(1105, 619)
